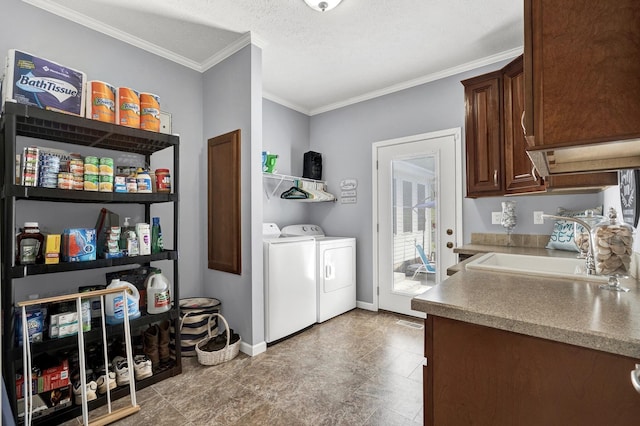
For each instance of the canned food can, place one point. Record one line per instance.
(105, 184)
(90, 182)
(91, 165)
(106, 166)
(65, 180)
(76, 167)
(78, 183)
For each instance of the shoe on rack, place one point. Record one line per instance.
(91, 391)
(142, 367)
(150, 342)
(163, 342)
(121, 367)
(101, 381)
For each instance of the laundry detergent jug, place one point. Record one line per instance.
(158, 293)
(114, 303)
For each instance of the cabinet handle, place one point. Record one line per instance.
(524, 130)
(635, 378)
(495, 177)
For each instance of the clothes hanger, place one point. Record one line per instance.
(294, 193)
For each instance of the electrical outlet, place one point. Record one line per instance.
(496, 217)
(537, 218)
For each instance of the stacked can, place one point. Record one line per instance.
(48, 168)
(76, 168)
(91, 173)
(106, 174)
(30, 169)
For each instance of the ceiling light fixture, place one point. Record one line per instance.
(322, 5)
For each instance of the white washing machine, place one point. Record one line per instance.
(289, 283)
(336, 270)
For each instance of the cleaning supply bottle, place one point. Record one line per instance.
(126, 226)
(115, 304)
(143, 231)
(156, 236)
(158, 293)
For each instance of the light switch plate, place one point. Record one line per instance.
(537, 218)
(496, 217)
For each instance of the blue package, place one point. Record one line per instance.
(35, 325)
(38, 82)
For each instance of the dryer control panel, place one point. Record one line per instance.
(303, 230)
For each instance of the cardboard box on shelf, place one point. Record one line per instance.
(49, 379)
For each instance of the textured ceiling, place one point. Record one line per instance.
(315, 61)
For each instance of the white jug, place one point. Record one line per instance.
(114, 303)
(158, 293)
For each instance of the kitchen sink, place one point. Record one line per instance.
(539, 266)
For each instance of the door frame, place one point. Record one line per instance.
(456, 132)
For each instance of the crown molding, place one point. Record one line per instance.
(240, 43)
(103, 28)
(508, 54)
(252, 38)
(285, 103)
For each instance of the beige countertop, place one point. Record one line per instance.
(563, 310)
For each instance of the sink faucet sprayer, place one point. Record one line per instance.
(590, 262)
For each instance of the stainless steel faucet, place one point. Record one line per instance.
(590, 261)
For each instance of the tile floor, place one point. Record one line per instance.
(360, 368)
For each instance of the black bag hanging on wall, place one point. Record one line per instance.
(312, 165)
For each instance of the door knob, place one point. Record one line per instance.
(449, 244)
(449, 231)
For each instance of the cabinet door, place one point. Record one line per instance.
(482, 133)
(520, 175)
(581, 71)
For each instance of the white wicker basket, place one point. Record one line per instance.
(223, 355)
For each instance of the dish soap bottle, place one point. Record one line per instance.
(156, 236)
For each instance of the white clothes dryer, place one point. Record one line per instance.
(336, 270)
(289, 283)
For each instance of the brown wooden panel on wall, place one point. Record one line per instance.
(223, 201)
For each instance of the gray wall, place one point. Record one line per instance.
(233, 100)
(285, 133)
(30, 29)
(345, 136)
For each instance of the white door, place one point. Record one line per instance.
(417, 197)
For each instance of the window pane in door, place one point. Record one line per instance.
(413, 186)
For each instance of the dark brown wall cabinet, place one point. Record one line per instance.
(581, 84)
(497, 161)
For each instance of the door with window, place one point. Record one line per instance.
(417, 215)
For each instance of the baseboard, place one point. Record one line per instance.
(254, 350)
(366, 306)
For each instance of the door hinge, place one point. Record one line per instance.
(376, 164)
(377, 227)
(378, 291)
